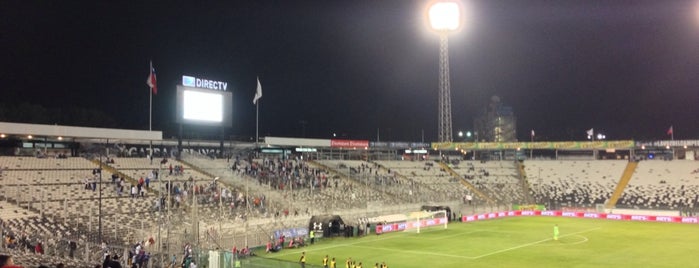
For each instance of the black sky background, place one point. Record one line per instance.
(626, 68)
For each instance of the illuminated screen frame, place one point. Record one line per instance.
(207, 97)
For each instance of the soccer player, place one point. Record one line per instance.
(325, 262)
(348, 263)
(555, 232)
(333, 263)
(303, 260)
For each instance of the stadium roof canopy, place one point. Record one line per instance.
(78, 132)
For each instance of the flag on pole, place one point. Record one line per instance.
(669, 131)
(591, 132)
(258, 93)
(152, 81)
(532, 133)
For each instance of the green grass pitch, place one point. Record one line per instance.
(516, 242)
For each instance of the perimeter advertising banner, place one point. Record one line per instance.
(291, 232)
(567, 145)
(528, 207)
(402, 226)
(580, 214)
(349, 143)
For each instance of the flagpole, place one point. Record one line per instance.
(150, 110)
(150, 121)
(256, 101)
(531, 149)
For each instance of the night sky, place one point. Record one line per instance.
(629, 69)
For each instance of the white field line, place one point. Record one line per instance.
(430, 253)
(386, 237)
(532, 243)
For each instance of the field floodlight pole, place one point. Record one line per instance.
(444, 17)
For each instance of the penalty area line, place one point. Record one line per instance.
(532, 243)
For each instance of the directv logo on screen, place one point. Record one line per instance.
(191, 81)
(188, 81)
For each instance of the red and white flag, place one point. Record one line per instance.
(669, 131)
(152, 82)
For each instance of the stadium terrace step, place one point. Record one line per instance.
(623, 182)
(466, 183)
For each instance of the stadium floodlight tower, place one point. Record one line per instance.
(445, 18)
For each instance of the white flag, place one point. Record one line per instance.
(258, 94)
(591, 132)
(532, 133)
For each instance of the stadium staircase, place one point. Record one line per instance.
(466, 183)
(127, 178)
(208, 174)
(528, 199)
(405, 178)
(623, 182)
(344, 177)
(197, 169)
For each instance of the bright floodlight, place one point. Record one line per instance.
(444, 16)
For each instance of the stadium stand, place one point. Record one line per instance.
(658, 184)
(571, 183)
(498, 179)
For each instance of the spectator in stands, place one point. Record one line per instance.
(139, 186)
(6, 261)
(10, 241)
(39, 248)
(133, 191)
(72, 246)
(245, 252)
